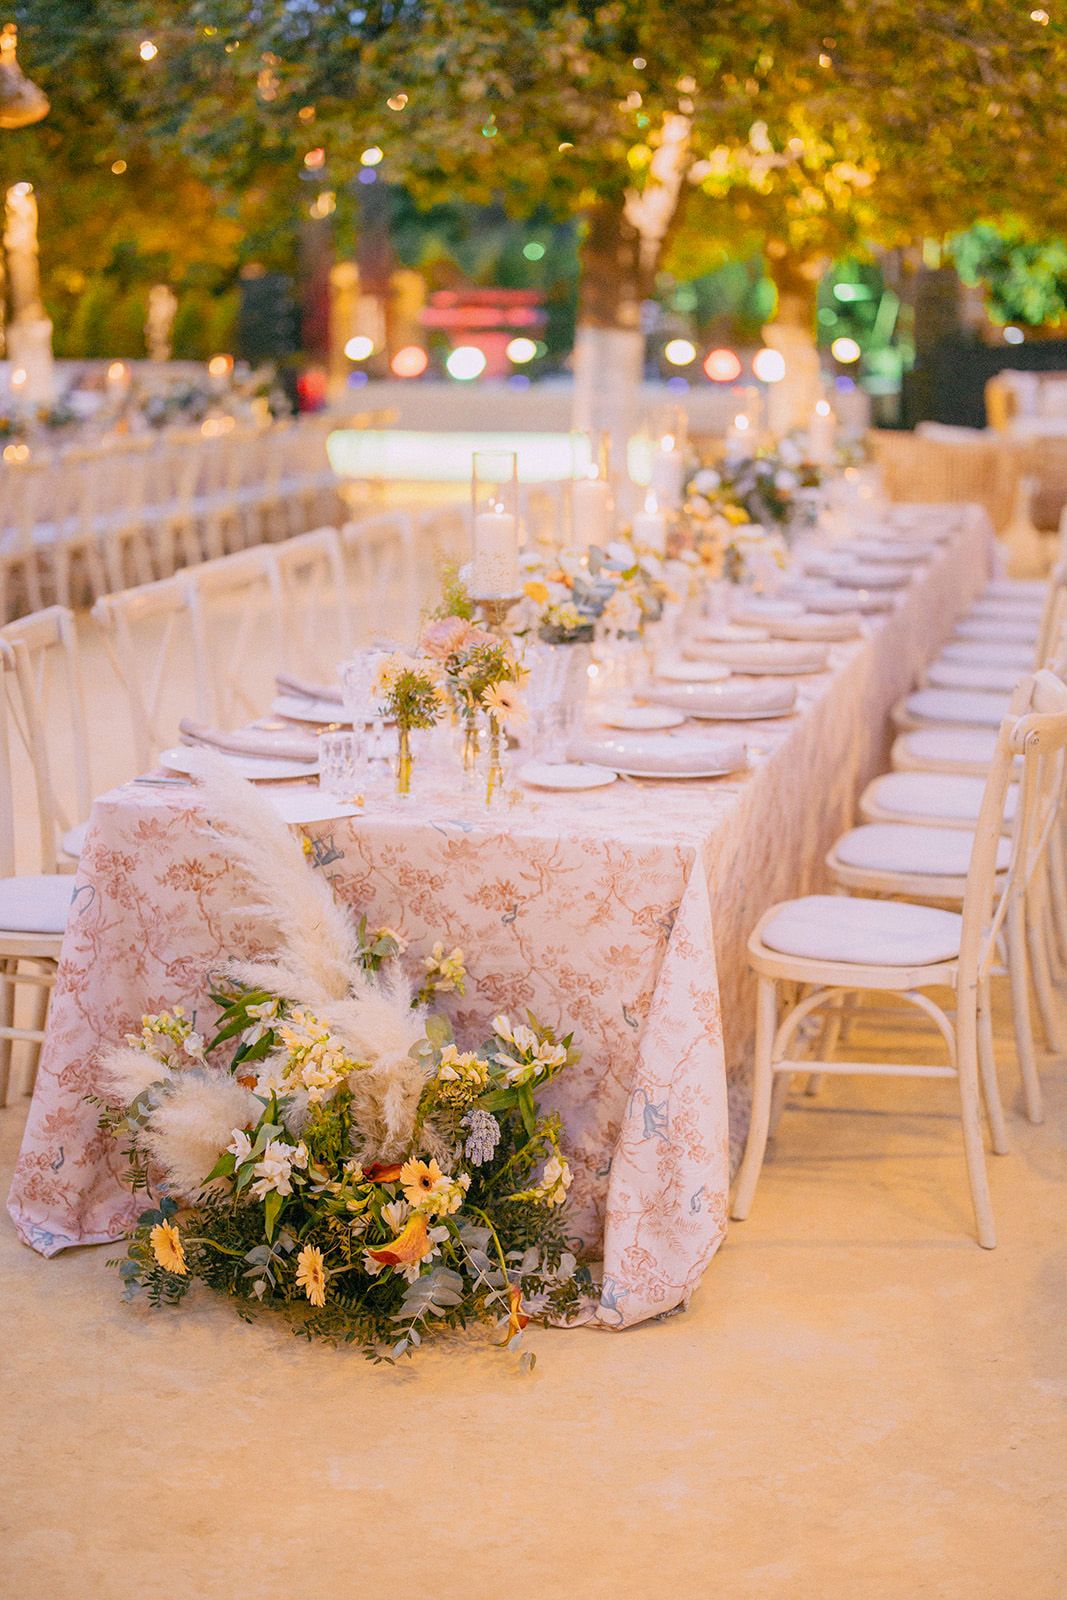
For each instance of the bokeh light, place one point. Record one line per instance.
(1013, 335)
(723, 366)
(465, 362)
(148, 51)
(769, 365)
(371, 156)
(521, 350)
(410, 362)
(534, 250)
(680, 352)
(845, 350)
(359, 348)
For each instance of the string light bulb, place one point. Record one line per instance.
(147, 50)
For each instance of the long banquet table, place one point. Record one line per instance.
(621, 913)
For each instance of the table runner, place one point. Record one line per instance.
(622, 913)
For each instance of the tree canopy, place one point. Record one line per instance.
(800, 126)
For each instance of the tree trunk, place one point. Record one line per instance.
(609, 345)
(792, 334)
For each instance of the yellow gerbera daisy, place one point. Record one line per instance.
(311, 1274)
(504, 702)
(167, 1248)
(419, 1179)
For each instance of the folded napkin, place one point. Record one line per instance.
(775, 656)
(251, 742)
(677, 755)
(734, 698)
(287, 684)
(843, 625)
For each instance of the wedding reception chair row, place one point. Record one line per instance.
(829, 949)
(86, 521)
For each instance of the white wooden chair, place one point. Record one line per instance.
(33, 906)
(311, 593)
(147, 634)
(381, 552)
(929, 863)
(52, 722)
(233, 602)
(826, 947)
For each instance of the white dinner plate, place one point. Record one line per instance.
(680, 777)
(295, 708)
(261, 769)
(691, 671)
(565, 775)
(729, 633)
(640, 719)
(309, 805)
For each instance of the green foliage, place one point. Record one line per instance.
(1025, 279)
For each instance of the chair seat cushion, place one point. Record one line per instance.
(35, 904)
(1022, 610)
(1012, 588)
(973, 710)
(883, 933)
(983, 653)
(1001, 630)
(969, 675)
(73, 841)
(931, 794)
(913, 849)
(950, 746)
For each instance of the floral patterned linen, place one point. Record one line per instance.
(622, 912)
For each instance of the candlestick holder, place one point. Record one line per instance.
(493, 609)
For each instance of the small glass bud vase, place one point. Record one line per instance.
(494, 778)
(472, 742)
(403, 759)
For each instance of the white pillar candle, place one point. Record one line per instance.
(650, 526)
(591, 511)
(668, 472)
(740, 438)
(822, 430)
(495, 567)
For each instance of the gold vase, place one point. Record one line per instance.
(403, 760)
(495, 777)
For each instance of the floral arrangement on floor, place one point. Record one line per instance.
(332, 1151)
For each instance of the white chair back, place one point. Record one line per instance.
(50, 717)
(147, 633)
(1036, 730)
(312, 595)
(382, 553)
(232, 602)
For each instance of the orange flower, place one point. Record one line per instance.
(409, 1246)
(517, 1317)
(378, 1172)
(419, 1179)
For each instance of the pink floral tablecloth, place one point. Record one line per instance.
(621, 912)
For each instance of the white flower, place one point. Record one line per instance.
(502, 1028)
(395, 1214)
(193, 1045)
(524, 1038)
(274, 1169)
(556, 1179)
(706, 481)
(240, 1147)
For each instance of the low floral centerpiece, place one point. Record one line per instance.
(332, 1151)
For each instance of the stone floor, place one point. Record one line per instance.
(859, 1403)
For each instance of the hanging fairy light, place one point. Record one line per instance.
(147, 50)
(21, 102)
